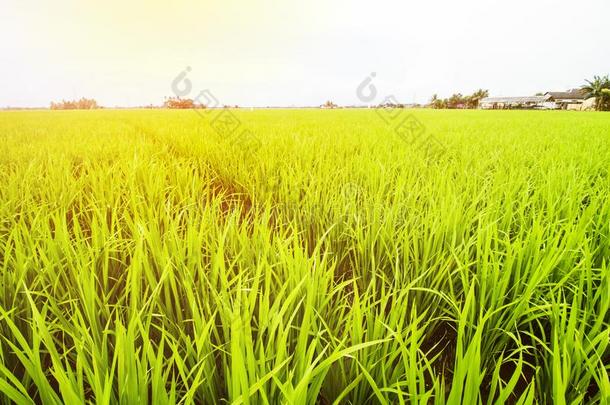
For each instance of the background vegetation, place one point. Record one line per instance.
(82, 104)
(599, 88)
(179, 103)
(458, 100)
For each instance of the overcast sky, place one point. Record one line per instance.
(264, 52)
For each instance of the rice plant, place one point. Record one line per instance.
(147, 258)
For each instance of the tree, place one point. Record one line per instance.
(456, 101)
(82, 104)
(178, 103)
(476, 97)
(437, 103)
(599, 88)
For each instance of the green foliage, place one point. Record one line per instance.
(599, 88)
(459, 101)
(146, 259)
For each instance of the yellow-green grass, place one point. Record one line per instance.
(146, 258)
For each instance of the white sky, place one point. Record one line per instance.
(264, 52)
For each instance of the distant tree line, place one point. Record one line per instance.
(178, 103)
(389, 104)
(329, 104)
(598, 88)
(186, 103)
(82, 104)
(458, 100)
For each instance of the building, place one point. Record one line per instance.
(567, 100)
(527, 102)
(574, 99)
(589, 104)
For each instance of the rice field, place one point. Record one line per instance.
(308, 257)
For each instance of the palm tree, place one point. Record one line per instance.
(598, 88)
(455, 101)
(477, 96)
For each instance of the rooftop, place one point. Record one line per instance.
(516, 100)
(574, 94)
